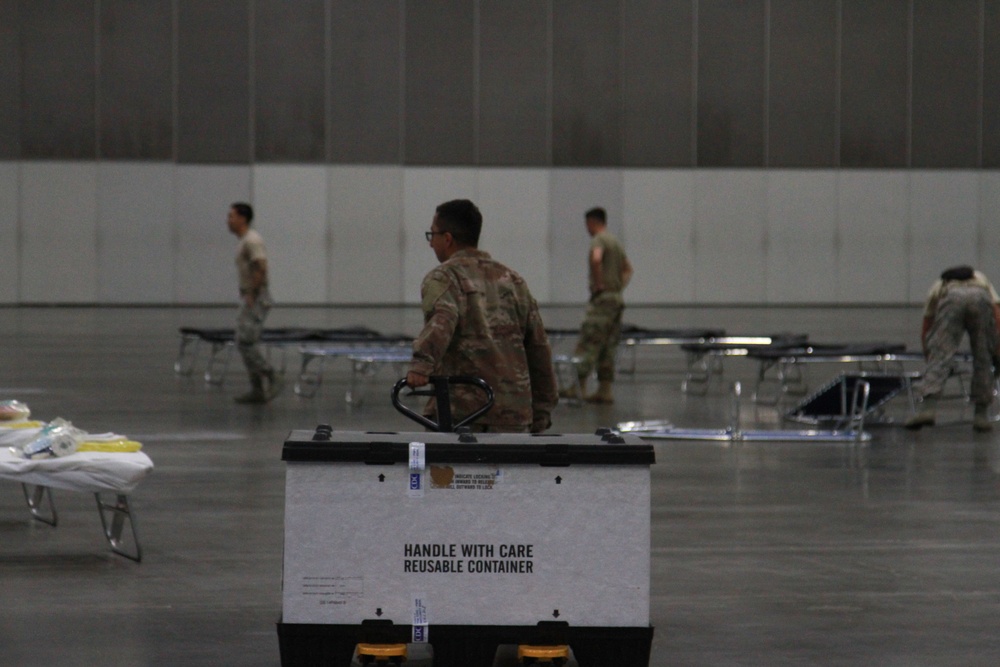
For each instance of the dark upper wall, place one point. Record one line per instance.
(620, 83)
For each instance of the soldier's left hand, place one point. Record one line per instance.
(540, 423)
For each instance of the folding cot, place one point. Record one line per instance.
(364, 359)
(788, 362)
(705, 359)
(888, 377)
(100, 473)
(222, 341)
(849, 429)
(830, 404)
(632, 338)
(635, 337)
(365, 354)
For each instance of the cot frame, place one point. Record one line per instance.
(116, 515)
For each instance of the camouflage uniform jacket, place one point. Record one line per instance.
(613, 260)
(481, 320)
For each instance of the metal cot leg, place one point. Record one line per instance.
(309, 380)
(276, 356)
(114, 516)
(218, 362)
(566, 365)
(186, 358)
(358, 367)
(33, 496)
(629, 368)
(762, 397)
(699, 372)
(792, 378)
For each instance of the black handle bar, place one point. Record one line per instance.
(439, 389)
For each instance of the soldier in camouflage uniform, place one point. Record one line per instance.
(480, 320)
(610, 272)
(255, 302)
(961, 301)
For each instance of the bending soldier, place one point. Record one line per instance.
(961, 301)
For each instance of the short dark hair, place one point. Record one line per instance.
(462, 219)
(597, 213)
(243, 209)
(958, 273)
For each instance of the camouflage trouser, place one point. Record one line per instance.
(249, 325)
(962, 310)
(599, 335)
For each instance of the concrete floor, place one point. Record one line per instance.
(762, 554)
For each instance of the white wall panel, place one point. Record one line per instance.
(59, 232)
(873, 230)
(366, 235)
(9, 232)
(423, 191)
(290, 212)
(154, 233)
(206, 250)
(659, 224)
(988, 236)
(135, 233)
(730, 236)
(944, 221)
(515, 208)
(801, 236)
(574, 192)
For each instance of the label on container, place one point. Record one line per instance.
(418, 465)
(421, 619)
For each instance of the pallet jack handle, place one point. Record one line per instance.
(440, 390)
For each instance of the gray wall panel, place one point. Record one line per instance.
(365, 82)
(439, 83)
(290, 57)
(10, 80)
(731, 83)
(59, 77)
(945, 83)
(514, 83)
(571, 193)
(874, 75)
(10, 214)
(586, 83)
(638, 83)
(802, 99)
(991, 86)
(136, 79)
(657, 85)
(213, 94)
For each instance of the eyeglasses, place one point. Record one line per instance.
(430, 235)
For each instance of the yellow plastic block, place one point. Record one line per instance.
(24, 424)
(383, 650)
(542, 652)
(117, 446)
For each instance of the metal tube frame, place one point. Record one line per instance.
(33, 495)
(120, 514)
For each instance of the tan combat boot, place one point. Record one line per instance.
(925, 416)
(275, 383)
(575, 392)
(981, 420)
(255, 396)
(603, 395)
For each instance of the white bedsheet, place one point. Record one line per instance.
(82, 471)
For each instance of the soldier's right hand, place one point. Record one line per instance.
(415, 380)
